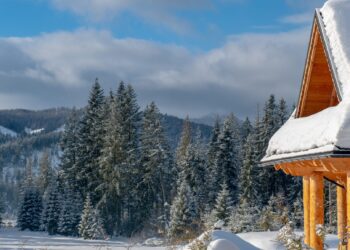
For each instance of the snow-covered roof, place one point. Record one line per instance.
(327, 131)
(336, 20)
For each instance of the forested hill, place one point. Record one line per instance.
(37, 130)
(18, 120)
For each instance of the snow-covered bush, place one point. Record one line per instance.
(275, 214)
(244, 218)
(201, 243)
(289, 239)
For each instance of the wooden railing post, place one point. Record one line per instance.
(316, 209)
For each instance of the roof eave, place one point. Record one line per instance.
(314, 156)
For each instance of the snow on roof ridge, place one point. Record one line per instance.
(336, 19)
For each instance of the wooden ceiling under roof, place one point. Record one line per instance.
(318, 91)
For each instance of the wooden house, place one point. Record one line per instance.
(315, 141)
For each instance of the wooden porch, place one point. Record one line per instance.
(314, 172)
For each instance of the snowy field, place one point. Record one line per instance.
(14, 239)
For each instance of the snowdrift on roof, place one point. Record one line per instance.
(319, 133)
(336, 19)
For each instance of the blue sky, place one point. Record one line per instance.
(205, 27)
(208, 53)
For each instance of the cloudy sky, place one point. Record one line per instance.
(189, 56)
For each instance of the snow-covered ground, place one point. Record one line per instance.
(14, 239)
(223, 240)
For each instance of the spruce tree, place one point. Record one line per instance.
(130, 120)
(52, 208)
(91, 225)
(156, 166)
(248, 181)
(90, 144)
(268, 126)
(184, 217)
(119, 162)
(194, 170)
(69, 147)
(223, 206)
(246, 129)
(228, 158)
(213, 149)
(111, 169)
(45, 171)
(185, 141)
(30, 210)
(70, 214)
(86, 219)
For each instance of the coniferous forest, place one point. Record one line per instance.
(118, 175)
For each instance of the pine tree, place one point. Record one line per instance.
(111, 168)
(90, 226)
(212, 154)
(268, 126)
(69, 147)
(248, 183)
(184, 215)
(45, 171)
(156, 166)
(90, 144)
(185, 141)
(130, 160)
(119, 162)
(282, 113)
(30, 210)
(52, 208)
(70, 213)
(223, 206)
(28, 178)
(228, 158)
(86, 219)
(193, 170)
(246, 129)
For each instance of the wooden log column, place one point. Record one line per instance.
(341, 211)
(306, 205)
(348, 207)
(316, 209)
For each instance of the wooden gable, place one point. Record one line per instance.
(318, 90)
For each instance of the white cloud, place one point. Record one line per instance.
(233, 77)
(302, 18)
(159, 12)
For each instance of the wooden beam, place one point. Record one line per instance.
(306, 204)
(316, 209)
(341, 212)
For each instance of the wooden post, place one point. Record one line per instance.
(306, 205)
(316, 209)
(348, 207)
(341, 211)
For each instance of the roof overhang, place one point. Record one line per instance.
(341, 153)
